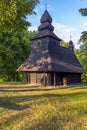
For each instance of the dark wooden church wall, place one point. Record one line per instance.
(73, 78)
(40, 78)
(32, 78)
(51, 78)
(59, 79)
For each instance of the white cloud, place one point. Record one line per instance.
(65, 31)
(85, 24)
(32, 28)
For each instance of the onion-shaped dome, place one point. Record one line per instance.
(46, 17)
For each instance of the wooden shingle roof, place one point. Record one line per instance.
(58, 59)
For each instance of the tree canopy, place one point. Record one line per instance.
(14, 49)
(82, 51)
(14, 37)
(13, 14)
(83, 11)
(64, 44)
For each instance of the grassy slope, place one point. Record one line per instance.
(30, 108)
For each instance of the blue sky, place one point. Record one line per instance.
(66, 18)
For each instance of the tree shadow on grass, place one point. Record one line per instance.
(80, 87)
(36, 88)
(12, 102)
(12, 105)
(7, 123)
(17, 87)
(26, 90)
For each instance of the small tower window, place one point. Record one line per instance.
(39, 43)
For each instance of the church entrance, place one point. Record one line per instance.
(56, 79)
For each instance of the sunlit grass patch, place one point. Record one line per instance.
(26, 107)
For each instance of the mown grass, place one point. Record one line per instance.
(25, 107)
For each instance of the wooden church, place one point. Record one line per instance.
(49, 63)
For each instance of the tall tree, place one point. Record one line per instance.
(64, 44)
(13, 14)
(82, 52)
(83, 11)
(14, 49)
(82, 56)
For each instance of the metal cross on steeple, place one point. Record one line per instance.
(70, 37)
(46, 6)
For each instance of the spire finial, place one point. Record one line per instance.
(70, 37)
(46, 6)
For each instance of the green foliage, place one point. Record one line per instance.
(82, 56)
(37, 108)
(83, 11)
(83, 37)
(83, 59)
(82, 53)
(14, 49)
(13, 14)
(64, 44)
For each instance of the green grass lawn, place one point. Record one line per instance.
(25, 107)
